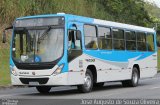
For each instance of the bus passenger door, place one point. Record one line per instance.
(74, 44)
(74, 57)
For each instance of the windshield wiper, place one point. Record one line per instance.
(44, 34)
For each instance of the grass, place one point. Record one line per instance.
(4, 67)
(4, 62)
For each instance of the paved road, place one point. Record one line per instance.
(147, 89)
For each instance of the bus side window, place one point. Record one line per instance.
(74, 40)
(150, 42)
(118, 39)
(71, 39)
(130, 40)
(78, 44)
(141, 41)
(90, 32)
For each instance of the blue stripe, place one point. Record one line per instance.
(117, 56)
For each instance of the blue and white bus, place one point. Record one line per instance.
(64, 49)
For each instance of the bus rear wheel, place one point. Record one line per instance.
(134, 79)
(43, 89)
(88, 83)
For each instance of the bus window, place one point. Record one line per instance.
(90, 37)
(16, 46)
(104, 38)
(130, 40)
(141, 41)
(74, 44)
(20, 45)
(71, 43)
(78, 42)
(150, 42)
(74, 40)
(118, 39)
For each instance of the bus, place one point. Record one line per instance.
(64, 49)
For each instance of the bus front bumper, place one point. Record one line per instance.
(66, 78)
(60, 79)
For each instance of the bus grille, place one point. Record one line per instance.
(40, 80)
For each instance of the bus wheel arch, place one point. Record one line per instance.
(138, 68)
(135, 76)
(89, 80)
(93, 69)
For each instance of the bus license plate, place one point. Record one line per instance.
(33, 83)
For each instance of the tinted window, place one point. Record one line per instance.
(150, 42)
(141, 41)
(118, 38)
(104, 38)
(130, 40)
(90, 37)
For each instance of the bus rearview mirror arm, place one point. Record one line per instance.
(4, 34)
(74, 25)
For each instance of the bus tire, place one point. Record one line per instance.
(43, 89)
(134, 79)
(88, 83)
(101, 84)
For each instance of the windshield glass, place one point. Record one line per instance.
(37, 45)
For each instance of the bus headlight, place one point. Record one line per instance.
(13, 71)
(59, 69)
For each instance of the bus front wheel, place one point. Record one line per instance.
(88, 83)
(43, 89)
(133, 82)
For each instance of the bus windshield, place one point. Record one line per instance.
(37, 45)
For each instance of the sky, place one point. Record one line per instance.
(157, 2)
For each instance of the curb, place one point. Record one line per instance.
(6, 87)
(11, 87)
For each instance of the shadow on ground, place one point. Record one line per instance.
(73, 90)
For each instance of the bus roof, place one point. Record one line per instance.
(89, 20)
(124, 26)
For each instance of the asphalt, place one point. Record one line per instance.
(148, 89)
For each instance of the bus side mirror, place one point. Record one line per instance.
(4, 34)
(4, 37)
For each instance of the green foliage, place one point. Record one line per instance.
(153, 10)
(4, 65)
(154, 13)
(126, 11)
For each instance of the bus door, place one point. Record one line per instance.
(74, 42)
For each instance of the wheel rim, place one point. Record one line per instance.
(135, 77)
(87, 81)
